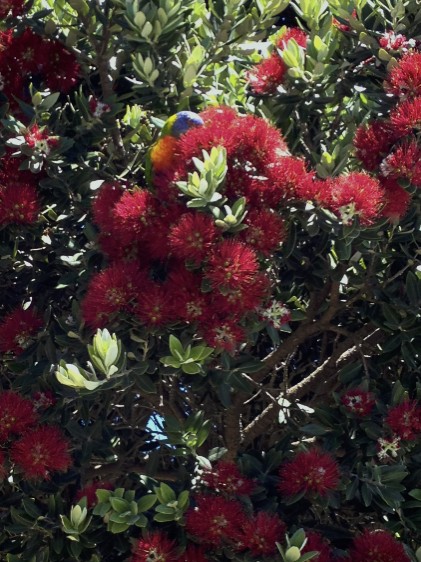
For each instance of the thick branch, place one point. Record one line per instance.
(366, 338)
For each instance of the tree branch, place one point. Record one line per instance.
(367, 337)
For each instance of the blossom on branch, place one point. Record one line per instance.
(16, 415)
(377, 546)
(312, 472)
(42, 452)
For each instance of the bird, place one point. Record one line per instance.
(161, 154)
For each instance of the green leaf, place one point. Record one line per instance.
(191, 368)
(176, 346)
(415, 493)
(119, 504)
(116, 528)
(146, 502)
(164, 493)
(163, 517)
(103, 495)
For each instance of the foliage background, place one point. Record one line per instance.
(354, 292)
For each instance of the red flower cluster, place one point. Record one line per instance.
(16, 415)
(260, 533)
(358, 402)
(19, 198)
(312, 473)
(404, 79)
(19, 204)
(405, 420)
(377, 546)
(38, 452)
(270, 73)
(41, 452)
(112, 291)
(207, 277)
(213, 279)
(397, 199)
(28, 55)
(353, 195)
(18, 329)
(215, 520)
(389, 147)
(373, 142)
(226, 477)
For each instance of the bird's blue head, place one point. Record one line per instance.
(184, 121)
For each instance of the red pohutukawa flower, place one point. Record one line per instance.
(351, 195)
(189, 303)
(111, 291)
(261, 532)
(16, 415)
(404, 162)
(299, 36)
(270, 73)
(405, 420)
(154, 306)
(397, 199)
(193, 553)
(41, 453)
(313, 473)
(404, 79)
(267, 75)
(215, 520)
(89, 492)
(226, 477)
(48, 59)
(134, 212)
(236, 303)
(373, 142)
(406, 116)
(19, 204)
(102, 208)
(155, 546)
(18, 329)
(315, 542)
(265, 232)
(358, 402)
(232, 266)
(377, 546)
(192, 237)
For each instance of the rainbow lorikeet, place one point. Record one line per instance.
(160, 156)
